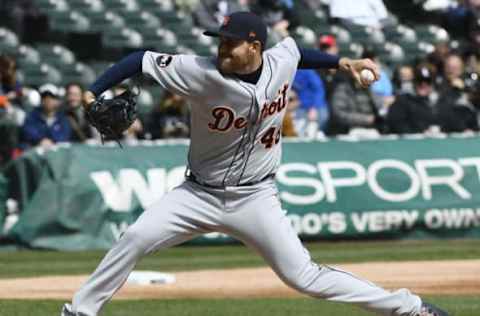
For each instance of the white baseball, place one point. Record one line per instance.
(367, 75)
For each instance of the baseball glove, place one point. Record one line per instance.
(111, 117)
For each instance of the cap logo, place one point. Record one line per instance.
(252, 34)
(226, 20)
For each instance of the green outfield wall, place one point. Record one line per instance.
(85, 196)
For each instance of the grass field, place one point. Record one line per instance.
(460, 306)
(40, 263)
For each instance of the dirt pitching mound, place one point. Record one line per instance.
(423, 277)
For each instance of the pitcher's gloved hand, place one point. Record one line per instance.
(111, 117)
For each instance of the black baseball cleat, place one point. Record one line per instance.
(431, 310)
(67, 310)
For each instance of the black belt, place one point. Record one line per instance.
(191, 177)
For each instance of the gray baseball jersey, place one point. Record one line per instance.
(236, 125)
(235, 140)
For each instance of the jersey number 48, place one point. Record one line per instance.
(271, 137)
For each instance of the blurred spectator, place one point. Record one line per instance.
(453, 72)
(403, 78)
(46, 125)
(353, 107)
(472, 61)
(81, 129)
(383, 88)
(9, 85)
(327, 43)
(289, 127)
(364, 12)
(454, 67)
(415, 113)
(311, 92)
(438, 56)
(170, 118)
(458, 107)
(209, 14)
(9, 132)
(11, 90)
(474, 23)
(301, 126)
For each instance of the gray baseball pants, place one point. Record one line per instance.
(251, 214)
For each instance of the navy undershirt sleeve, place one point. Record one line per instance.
(314, 59)
(125, 68)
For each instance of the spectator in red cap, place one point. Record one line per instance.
(328, 44)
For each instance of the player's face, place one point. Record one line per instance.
(234, 55)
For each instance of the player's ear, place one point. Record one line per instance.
(257, 46)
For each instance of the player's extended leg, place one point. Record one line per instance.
(262, 224)
(177, 217)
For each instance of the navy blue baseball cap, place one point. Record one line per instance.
(242, 25)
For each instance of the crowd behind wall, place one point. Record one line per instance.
(432, 94)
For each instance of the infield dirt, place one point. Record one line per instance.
(459, 277)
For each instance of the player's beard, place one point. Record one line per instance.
(228, 65)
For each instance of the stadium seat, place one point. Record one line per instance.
(48, 6)
(425, 48)
(122, 38)
(432, 33)
(391, 54)
(368, 36)
(162, 40)
(172, 17)
(342, 35)
(56, 55)
(200, 44)
(181, 49)
(145, 101)
(26, 55)
(36, 75)
(352, 49)
(69, 21)
(122, 5)
(154, 5)
(86, 6)
(305, 36)
(80, 73)
(8, 41)
(99, 67)
(100, 21)
(403, 36)
(142, 21)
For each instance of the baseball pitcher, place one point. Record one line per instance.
(238, 100)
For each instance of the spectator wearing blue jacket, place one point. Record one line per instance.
(312, 94)
(46, 125)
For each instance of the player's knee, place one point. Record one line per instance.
(134, 237)
(293, 279)
(301, 279)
